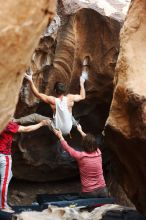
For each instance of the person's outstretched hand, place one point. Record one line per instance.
(28, 77)
(58, 133)
(79, 128)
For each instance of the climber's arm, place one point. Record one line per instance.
(32, 127)
(82, 95)
(43, 97)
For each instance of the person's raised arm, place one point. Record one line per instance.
(79, 128)
(69, 149)
(31, 127)
(82, 95)
(43, 97)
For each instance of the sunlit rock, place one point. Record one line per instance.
(21, 24)
(126, 125)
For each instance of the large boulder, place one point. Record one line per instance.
(21, 24)
(126, 125)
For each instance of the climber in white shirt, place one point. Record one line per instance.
(61, 104)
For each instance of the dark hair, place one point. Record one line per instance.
(89, 143)
(59, 88)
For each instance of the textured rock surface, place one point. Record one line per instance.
(116, 9)
(101, 213)
(84, 33)
(126, 125)
(21, 24)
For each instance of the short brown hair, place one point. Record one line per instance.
(89, 143)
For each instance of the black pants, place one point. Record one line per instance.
(100, 192)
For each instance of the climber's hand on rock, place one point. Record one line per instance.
(83, 77)
(28, 77)
(82, 80)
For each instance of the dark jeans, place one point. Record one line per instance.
(100, 193)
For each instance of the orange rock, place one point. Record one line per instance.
(126, 125)
(21, 24)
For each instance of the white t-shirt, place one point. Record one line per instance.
(63, 117)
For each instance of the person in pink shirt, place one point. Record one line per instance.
(90, 164)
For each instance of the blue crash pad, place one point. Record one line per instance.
(71, 199)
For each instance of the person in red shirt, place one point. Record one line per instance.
(90, 164)
(6, 138)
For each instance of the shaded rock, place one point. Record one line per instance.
(39, 157)
(19, 194)
(21, 24)
(126, 125)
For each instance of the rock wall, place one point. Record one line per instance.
(21, 24)
(126, 125)
(84, 33)
(87, 28)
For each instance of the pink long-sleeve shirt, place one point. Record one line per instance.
(90, 167)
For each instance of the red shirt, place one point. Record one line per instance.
(6, 138)
(90, 167)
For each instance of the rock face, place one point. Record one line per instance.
(126, 125)
(115, 9)
(88, 27)
(84, 33)
(21, 24)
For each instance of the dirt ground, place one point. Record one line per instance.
(24, 193)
